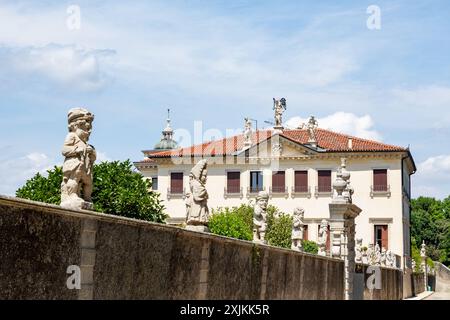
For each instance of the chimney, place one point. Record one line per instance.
(350, 143)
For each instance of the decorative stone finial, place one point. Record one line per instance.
(76, 187)
(259, 217)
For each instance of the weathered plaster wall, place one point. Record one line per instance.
(122, 258)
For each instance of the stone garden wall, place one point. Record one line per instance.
(122, 258)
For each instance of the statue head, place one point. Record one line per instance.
(262, 199)
(300, 212)
(199, 171)
(324, 223)
(80, 122)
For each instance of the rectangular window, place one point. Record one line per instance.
(301, 181)
(233, 182)
(305, 232)
(381, 236)
(278, 182)
(324, 180)
(155, 183)
(256, 181)
(380, 180)
(176, 182)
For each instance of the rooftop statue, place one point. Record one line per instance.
(279, 106)
(76, 187)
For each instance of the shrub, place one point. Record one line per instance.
(279, 228)
(310, 247)
(231, 223)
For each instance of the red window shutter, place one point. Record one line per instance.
(278, 181)
(301, 181)
(324, 180)
(305, 233)
(176, 182)
(328, 239)
(384, 237)
(233, 182)
(380, 180)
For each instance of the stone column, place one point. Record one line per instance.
(342, 218)
(342, 226)
(423, 264)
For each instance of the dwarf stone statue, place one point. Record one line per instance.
(383, 259)
(196, 204)
(76, 187)
(323, 235)
(297, 229)
(259, 217)
(377, 254)
(358, 250)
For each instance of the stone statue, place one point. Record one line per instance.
(323, 234)
(358, 251)
(377, 255)
(371, 255)
(279, 106)
(297, 229)
(311, 126)
(383, 257)
(76, 187)
(259, 217)
(197, 203)
(247, 133)
(390, 259)
(413, 265)
(423, 251)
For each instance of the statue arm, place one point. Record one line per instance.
(69, 148)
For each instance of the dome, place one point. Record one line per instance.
(167, 142)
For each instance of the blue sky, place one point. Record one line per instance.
(220, 61)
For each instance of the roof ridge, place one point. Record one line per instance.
(362, 139)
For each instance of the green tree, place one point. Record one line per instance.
(118, 190)
(430, 222)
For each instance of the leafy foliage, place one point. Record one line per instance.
(310, 246)
(117, 190)
(430, 220)
(279, 228)
(232, 222)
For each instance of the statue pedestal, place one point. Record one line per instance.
(278, 129)
(76, 203)
(198, 228)
(342, 230)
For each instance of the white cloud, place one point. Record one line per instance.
(433, 177)
(349, 123)
(64, 64)
(102, 156)
(15, 171)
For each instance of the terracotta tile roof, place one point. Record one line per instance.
(328, 140)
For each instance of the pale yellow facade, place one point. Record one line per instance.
(390, 208)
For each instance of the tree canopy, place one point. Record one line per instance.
(430, 222)
(118, 190)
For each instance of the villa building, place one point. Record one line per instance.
(296, 167)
